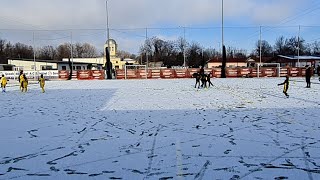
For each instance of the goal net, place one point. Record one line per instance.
(135, 72)
(268, 69)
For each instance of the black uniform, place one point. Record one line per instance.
(286, 86)
(308, 77)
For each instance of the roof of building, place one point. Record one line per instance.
(112, 41)
(229, 60)
(300, 57)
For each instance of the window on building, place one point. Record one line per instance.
(46, 68)
(78, 67)
(64, 67)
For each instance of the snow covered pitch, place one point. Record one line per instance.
(161, 129)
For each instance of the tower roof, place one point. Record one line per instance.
(112, 41)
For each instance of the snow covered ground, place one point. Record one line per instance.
(161, 129)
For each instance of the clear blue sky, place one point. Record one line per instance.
(129, 18)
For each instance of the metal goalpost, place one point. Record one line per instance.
(262, 64)
(135, 67)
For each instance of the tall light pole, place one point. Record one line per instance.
(260, 45)
(147, 58)
(108, 35)
(184, 47)
(222, 26)
(107, 50)
(299, 47)
(71, 51)
(34, 58)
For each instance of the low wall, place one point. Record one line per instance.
(83, 74)
(215, 72)
(48, 74)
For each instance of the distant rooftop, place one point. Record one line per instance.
(300, 57)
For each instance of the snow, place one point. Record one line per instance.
(161, 129)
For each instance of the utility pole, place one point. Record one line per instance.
(299, 47)
(224, 54)
(34, 58)
(147, 58)
(260, 45)
(108, 61)
(71, 49)
(222, 26)
(184, 47)
(108, 33)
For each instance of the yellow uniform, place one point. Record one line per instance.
(42, 83)
(3, 83)
(25, 85)
(21, 80)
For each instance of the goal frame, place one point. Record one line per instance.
(261, 64)
(126, 68)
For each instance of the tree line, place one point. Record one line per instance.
(18, 50)
(288, 46)
(176, 52)
(172, 53)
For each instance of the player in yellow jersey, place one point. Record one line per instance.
(42, 82)
(286, 86)
(3, 83)
(24, 83)
(21, 80)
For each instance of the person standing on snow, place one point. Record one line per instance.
(42, 82)
(21, 79)
(286, 86)
(308, 76)
(3, 83)
(24, 83)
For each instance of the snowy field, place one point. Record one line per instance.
(161, 129)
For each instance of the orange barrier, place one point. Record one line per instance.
(120, 74)
(215, 72)
(98, 74)
(167, 73)
(82, 74)
(232, 72)
(155, 73)
(244, 72)
(181, 73)
(142, 73)
(191, 71)
(63, 74)
(269, 72)
(284, 72)
(295, 72)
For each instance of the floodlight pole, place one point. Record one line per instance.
(147, 58)
(260, 45)
(71, 50)
(34, 58)
(299, 47)
(184, 47)
(222, 26)
(108, 34)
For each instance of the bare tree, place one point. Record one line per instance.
(47, 53)
(23, 51)
(64, 51)
(279, 45)
(266, 49)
